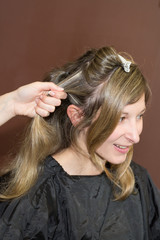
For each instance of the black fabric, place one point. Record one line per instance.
(64, 207)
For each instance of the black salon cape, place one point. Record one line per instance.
(63, 207)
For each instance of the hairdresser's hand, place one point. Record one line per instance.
(35, 98)
(38, 98)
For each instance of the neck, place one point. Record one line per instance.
(76, 162)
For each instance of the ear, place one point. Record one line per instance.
(75, 114)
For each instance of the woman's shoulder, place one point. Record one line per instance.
(144, 180)
(150, 199)
(46, 180)
(40, 193)
(50, 168)
(37, 205)
(138, 170)
(142, 176)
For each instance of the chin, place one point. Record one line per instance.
(117, 161)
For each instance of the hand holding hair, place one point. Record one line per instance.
(35, 98)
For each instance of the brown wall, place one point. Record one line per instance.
(36, 35)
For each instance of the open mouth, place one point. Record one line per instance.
(122, 149)
(120, 146)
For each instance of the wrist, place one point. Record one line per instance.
(7, 107)
(11, 103)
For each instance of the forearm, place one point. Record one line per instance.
(6, 107)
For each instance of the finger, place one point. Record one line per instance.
(60, 95)
(56, 94)
(47, 106)
(46, 86)
(50, 100)
(42, 112)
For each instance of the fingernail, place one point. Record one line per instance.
(61, 88)
(51, 93)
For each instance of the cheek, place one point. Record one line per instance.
(117, 133)
(111, 139)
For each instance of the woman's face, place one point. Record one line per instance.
(127, 133)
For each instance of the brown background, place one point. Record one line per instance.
(36, 35)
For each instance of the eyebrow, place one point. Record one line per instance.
(125, 113)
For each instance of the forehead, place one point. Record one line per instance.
(135, 107)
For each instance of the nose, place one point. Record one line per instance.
(133, 132)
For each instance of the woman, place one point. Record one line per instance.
(73, 178)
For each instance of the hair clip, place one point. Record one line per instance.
(126, 64)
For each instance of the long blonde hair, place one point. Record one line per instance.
(95, 81)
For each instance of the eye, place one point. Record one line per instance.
(122, 119)
(140, 116)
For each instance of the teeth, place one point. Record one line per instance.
(122, 147)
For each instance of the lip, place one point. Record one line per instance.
(122, 150)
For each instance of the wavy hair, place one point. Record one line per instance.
(96, 81)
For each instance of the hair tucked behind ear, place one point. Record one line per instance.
(96, 82)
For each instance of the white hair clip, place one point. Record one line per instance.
(126, 64)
